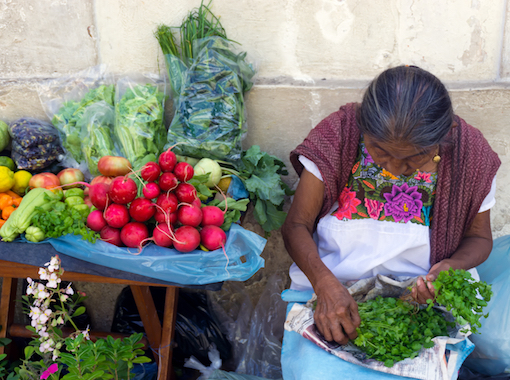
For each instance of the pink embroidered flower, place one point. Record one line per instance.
(374, 208)
(422, 176)
(347, 203)
(49, 371)
(403, 202)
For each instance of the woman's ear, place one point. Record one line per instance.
(455, 124)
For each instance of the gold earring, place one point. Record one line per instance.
(437, 157)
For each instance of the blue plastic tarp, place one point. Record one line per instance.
(240, 260)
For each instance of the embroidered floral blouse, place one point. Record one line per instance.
(379, 225)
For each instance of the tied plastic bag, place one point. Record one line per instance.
(139, 117)
(213, 372)
(35, 144)
(254, 332)
(208, 96)
(491, 355)
(66, 101)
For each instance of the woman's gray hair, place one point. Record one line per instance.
(406, 104)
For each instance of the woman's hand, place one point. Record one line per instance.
(336, 315)
(424, 290)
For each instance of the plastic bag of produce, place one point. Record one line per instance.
(139, 117)
(66, 100)
(208, 96)
(96, 126)
(35, 144)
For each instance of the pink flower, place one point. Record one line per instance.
(49, 371)
(347, 203)
(422, 176)
(374, 208)
(368, 157)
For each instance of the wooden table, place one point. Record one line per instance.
(159, 336)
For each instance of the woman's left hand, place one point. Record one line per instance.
(424, 290)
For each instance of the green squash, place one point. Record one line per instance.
(5, 138)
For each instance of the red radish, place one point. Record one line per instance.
(98, 194)
(183, 171)
(163, 235)
(189, 215)
(111, 235)
(101, 178)
(212, 215)
(150, 171)
(116, 215)
(142, 209)
(167, 161)
(165, 217)
(168, 202)
(133, 234)
(113, 166)
(168, 181)
(197, 202)
(122, 190)
(212, 237)
(186, 192)
(151, 190)
(187, 239)
(95, 221)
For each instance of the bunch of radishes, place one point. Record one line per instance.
(169, 204)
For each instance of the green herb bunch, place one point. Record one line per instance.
(261, 174)
(465, 298)
(392, 330)
(56, 219)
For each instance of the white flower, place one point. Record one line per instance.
(69, 290)
(34, 312)
(42, 295)
(43, 274)
(55, 355)
(29, 280)
(86, 334)
(43, 318)
(31, 288)
(52, 265)
(53, 280)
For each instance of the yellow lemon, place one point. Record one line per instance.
(21, 179)
(6, 178)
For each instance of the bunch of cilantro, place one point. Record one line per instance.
(392, 329)
(56, 219)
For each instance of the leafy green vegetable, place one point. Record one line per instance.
(56, 219)
(208, 79)
(67, 119)
(234, 209)
(261, 174)
(392, 330)
(458, 292)
(139, 126)
(96, 127)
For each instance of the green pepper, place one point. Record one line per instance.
(83, 209)
(74, 192)
(75, 200)
(34, 234)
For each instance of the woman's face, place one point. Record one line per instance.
(400, 158)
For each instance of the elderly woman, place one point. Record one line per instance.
(396, 185)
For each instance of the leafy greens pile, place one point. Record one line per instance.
(208, 80)
(68, 120)
(392, 329)
(139, 126)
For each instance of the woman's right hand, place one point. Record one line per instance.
(336, 314)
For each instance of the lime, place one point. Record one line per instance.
(7, 161)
